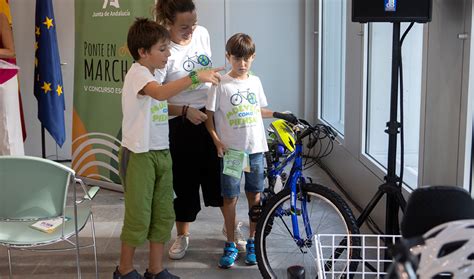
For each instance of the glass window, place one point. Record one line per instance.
(332, 57)
(378, 95)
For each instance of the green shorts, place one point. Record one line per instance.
(148, 187)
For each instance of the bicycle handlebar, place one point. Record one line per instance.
(286, 116)
(326, 130)
(307, 129)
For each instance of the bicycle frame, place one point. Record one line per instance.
(296, 175)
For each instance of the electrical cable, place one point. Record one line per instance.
(402, 131)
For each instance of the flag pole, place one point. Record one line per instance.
(43, 145)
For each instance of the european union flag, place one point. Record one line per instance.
(48, 79)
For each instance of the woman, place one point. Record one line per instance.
(195, 161)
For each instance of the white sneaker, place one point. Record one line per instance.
(239, 238)
(179, 247)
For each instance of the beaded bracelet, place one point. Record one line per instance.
(184, 112)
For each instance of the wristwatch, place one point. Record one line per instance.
(194, 77)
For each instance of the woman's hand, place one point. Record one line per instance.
(195, 116)
(221, 148)
(211, 75)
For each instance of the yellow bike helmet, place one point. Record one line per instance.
(284, 134)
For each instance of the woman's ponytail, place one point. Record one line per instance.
(166, 10)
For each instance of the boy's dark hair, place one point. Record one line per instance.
(144, 33)
(240, 45)
(166, 10)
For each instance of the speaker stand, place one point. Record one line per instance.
(391, 188)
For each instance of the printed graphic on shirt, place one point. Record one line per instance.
(245, 112)
(159, 113)
(236, 99)
(198, 59)
(198, 62)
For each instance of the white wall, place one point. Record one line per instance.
(277, 26)
(444, 89)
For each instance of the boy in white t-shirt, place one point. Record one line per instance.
(145, 161)
(235, 108)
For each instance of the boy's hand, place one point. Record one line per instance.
(221, 148)
(211, 75)
(286, 116)
(196, 116)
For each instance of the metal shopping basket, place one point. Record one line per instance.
(366, 259)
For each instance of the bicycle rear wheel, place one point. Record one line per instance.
(276, 248)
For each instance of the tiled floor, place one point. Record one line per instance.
(200, 262)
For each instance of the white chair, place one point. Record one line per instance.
(34, 189)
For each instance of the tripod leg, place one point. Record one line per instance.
(391, 215)
(370, 206)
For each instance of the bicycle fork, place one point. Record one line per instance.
(298, 179)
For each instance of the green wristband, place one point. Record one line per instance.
(194, 78)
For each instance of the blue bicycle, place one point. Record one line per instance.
(290, 219)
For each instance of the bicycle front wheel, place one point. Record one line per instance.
(276, 246)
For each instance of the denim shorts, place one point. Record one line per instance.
(230, 186)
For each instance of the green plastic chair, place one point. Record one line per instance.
(34, 189)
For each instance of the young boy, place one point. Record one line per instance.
(236, 108)
(145, 161)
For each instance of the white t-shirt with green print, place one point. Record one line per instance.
(195, 56)
(236, 105)
(145, 120)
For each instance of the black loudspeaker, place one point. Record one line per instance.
(391, 11)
